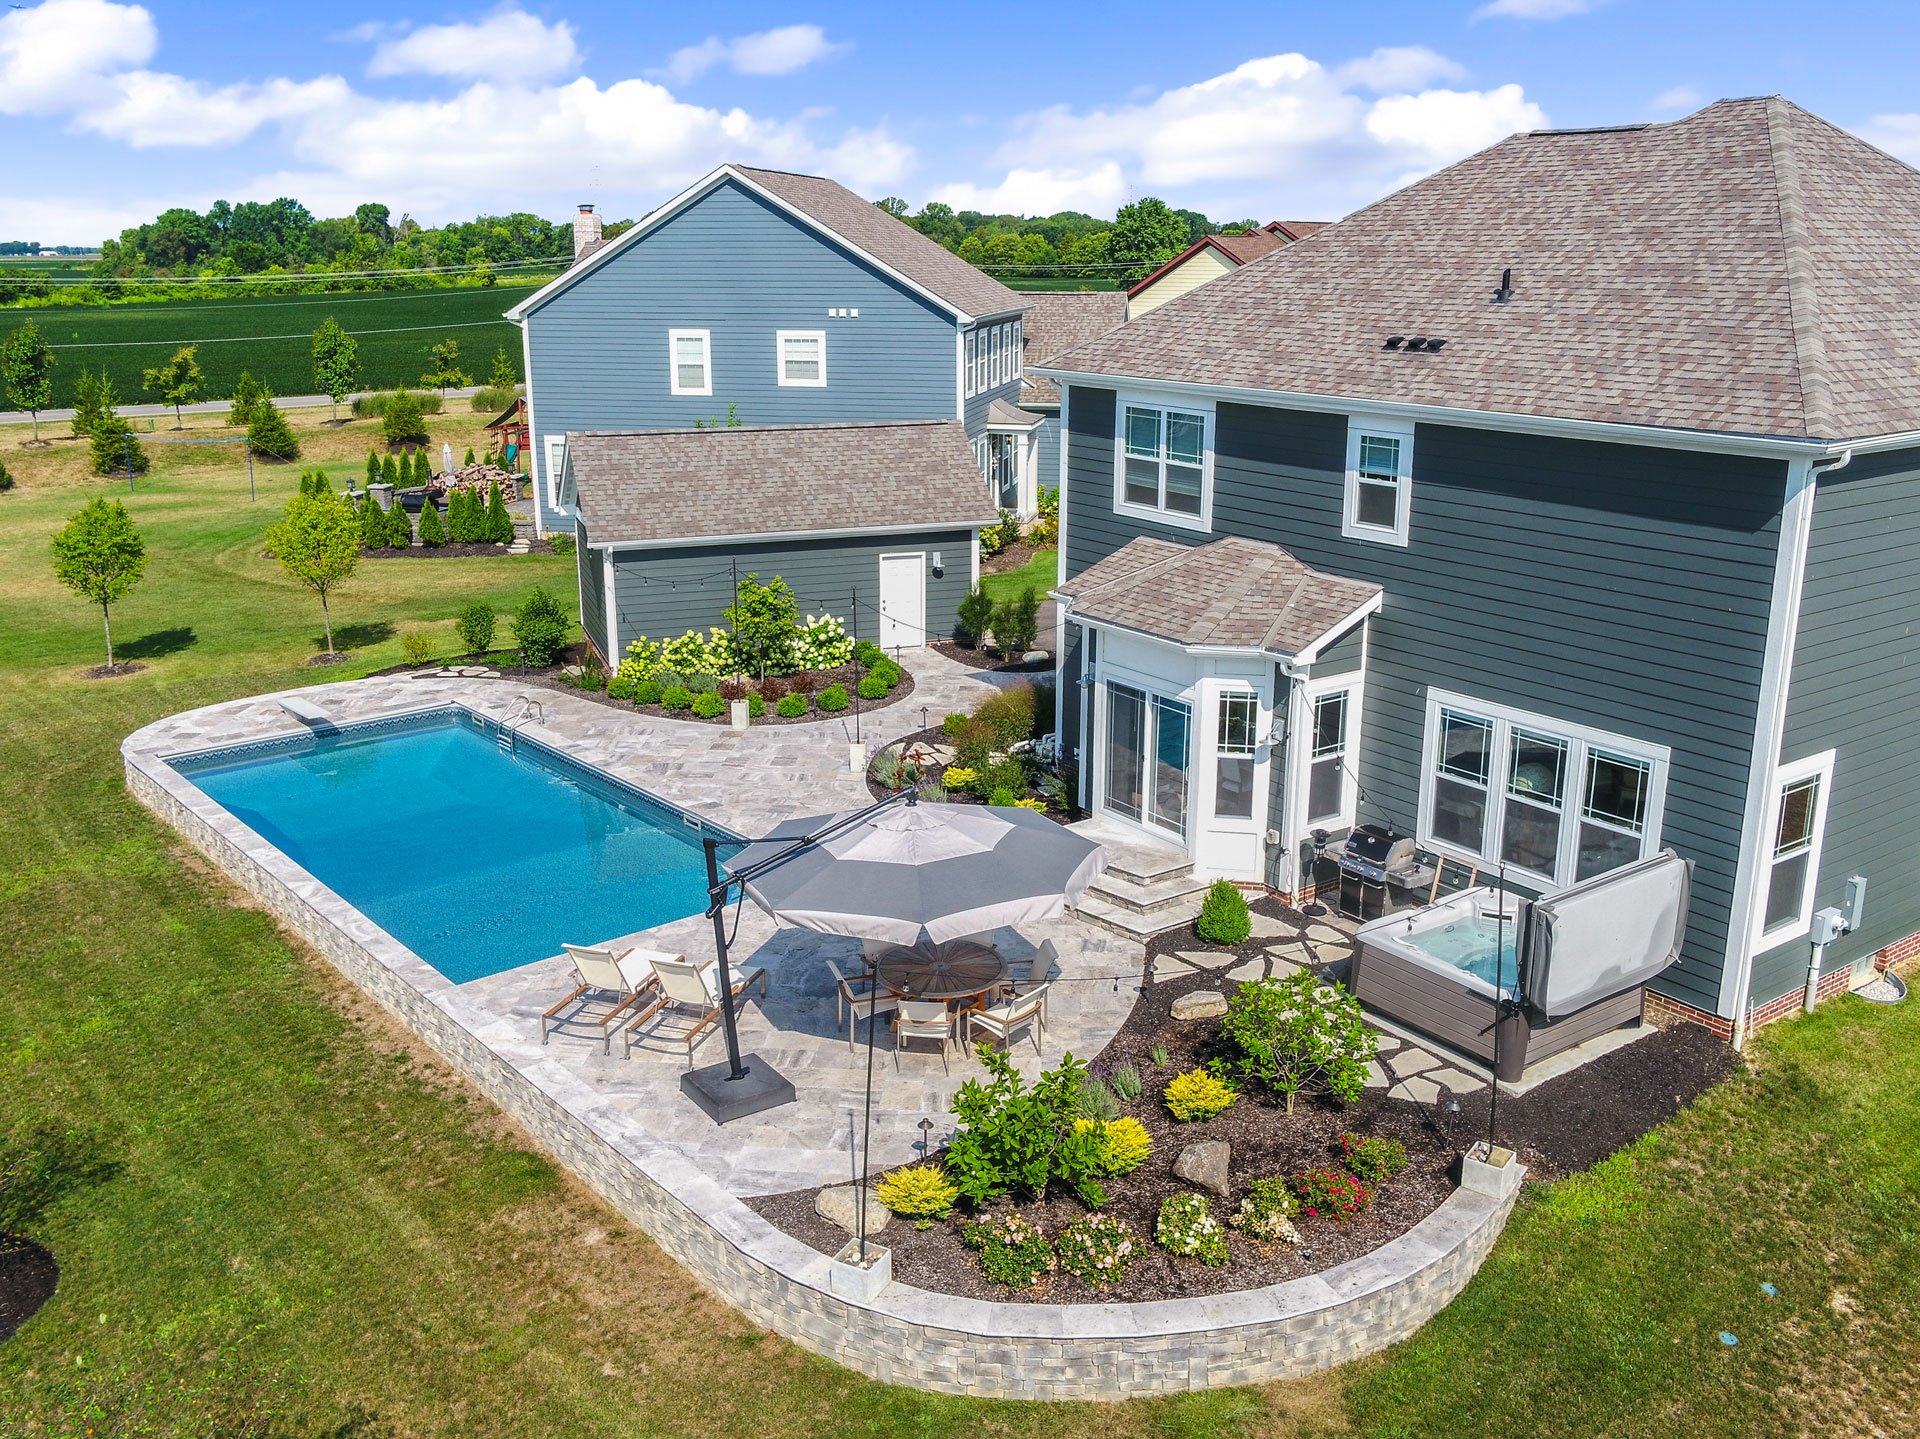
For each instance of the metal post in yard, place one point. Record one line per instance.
(251, 495)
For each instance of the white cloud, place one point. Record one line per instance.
(1681, 99)
(1281, 133)
(1097, 191)
(53, 56)
(508, 42)
(149, 110)
(769, 52)
(1534, 9)
(1898, 135)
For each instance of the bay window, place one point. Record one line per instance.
(1163, 468)
(1543, 768)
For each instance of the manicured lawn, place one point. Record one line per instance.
(1040, 572)
(314, 1230)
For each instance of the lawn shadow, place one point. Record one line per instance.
(159, 644)
(355, 637)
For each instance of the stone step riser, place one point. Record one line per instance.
(1130, 924)
(1148, 872)
(1185, 900)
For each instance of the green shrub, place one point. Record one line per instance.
(765, 619)
(1300, 1033)
(887, 672)
(1126, 1082)
(1002, 798)
(561, 544)
(955, 722)
(416, 647)
(113, 450)
(1197, 1096)
(1267, 1212)
(832, 699)
(475, 626)
(920, 1192)
(872, 688)
(679, 697)
(756, 707)
(1375, 1159)
(1045, 530)
(469, 459)
(539, 629)
(374, 406)
(1098, 1248)
(1008, 713)
(1223, 915)
(622, 685)
(1097, 1102)
(791, 707)
(1006, 773)
(709, 705)
(648, 692)
(492, 401)
(1186, 1226)
(1330, 1193)
(433, 533)
(1013, 1253)
(976, 616)
(1012, 1137)
(703, 684)
(669, 677)
(1125, 1145)
(402, 420)
(1016, 623)
(268, 432)
(867, 654)
(6, 479)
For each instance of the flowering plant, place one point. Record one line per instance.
(1098, 1248)
(1267, 1212)
(1186, 1226)
(1332, 1193)
(1013, 1251)
(1300, 1033)
(1375, 1159)
(822, 643)
(688, 654)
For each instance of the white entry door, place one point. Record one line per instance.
(903, 601)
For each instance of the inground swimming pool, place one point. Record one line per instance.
(477, 859)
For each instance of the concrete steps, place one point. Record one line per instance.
(1147, 889)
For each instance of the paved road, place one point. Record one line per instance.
(205, 407)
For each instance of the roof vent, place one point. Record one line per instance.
(1433, 345)
(1417, 342)
(1505, 292)
(1394, 342)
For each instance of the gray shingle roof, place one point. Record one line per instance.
(1058, 321)
(640, 486)
(1239, 592)
(1748, 269)
(1004, 413)
(892, 242)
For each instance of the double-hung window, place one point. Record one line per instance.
(970, 365)
(1379, 495)
(996, 373)
(1799, 822)
(1164, 464)
(802, 358)
(1235, 740)
(1327, 761)
(1015, 356)
(1550, 801)
(690, 362)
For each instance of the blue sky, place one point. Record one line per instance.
(111, 111)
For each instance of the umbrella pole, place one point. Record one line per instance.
(717, 906)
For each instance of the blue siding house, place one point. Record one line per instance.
(1543, 550)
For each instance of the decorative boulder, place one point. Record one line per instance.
(841, 1207)
(1205, 1165)
(1200, 1004)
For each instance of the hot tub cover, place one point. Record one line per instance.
(1604, 936)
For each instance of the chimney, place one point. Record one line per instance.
(586, 231)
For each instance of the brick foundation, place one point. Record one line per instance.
(1837, 981)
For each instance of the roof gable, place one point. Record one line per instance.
(1746, 270)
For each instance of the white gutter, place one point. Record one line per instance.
(695, 541)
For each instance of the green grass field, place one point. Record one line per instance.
(272, 337)
(313, 1229)
(1038, 573)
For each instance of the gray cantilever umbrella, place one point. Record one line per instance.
(912, 873)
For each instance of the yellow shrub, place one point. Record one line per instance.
(958, 776)
(1128, 1145)
(1197, 1095)
(1039, 805)
(920, 1191)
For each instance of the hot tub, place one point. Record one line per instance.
(1569, 966)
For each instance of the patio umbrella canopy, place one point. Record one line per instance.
(917, 873)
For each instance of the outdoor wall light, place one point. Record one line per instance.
(939, 568)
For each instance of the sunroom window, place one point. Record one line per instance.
(1326, 766)
(1234, 744)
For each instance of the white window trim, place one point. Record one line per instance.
(1359, 426)
(1202, 522)
(970, 363)
(705, 338)
(995, 358)
(556, 457)
(1354, 685)
(1581, 739)
(1816, 766)
(780, 339)
(1016, 338)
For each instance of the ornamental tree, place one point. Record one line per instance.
(318, 543)
(766, 622)
(100, 556)
(1299, 1034)
(178, 382)
(26, 367)
(336, 362)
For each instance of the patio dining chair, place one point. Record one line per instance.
(859, 997)
(923, 1019)
(1003, 1021)
(617, 978)
(692, 991)
(1039, 972)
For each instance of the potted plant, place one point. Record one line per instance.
(734, 692)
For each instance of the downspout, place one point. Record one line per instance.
(1741, 1032)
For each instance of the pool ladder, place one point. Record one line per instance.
(524, 710)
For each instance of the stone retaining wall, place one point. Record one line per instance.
(906, 1336)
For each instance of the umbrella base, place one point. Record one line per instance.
(761, 1087)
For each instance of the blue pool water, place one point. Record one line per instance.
(476, 860)
(1468, 943)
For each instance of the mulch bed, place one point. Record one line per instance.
(321, 661)
(453, 552)
(28, 1277)
(937, 736)
(112, 671)
(1560, 1127)
(1013, 557)
(988, 660)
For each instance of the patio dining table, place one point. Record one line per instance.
(957, 969)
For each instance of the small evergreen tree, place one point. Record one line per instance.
(540, 629)
(403, 422)
(475, 625)
(373, 468)
(389, 472)
(178, 382)
(87, 401)
(433, 534)
(100, 556)
(372, 521)
(504, 376)
(499, 522)
(6, 480)
(247, 392)
(399, 527)
(469, 458)
(268, 432)
(112, 448)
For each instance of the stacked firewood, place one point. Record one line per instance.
(476, 479)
